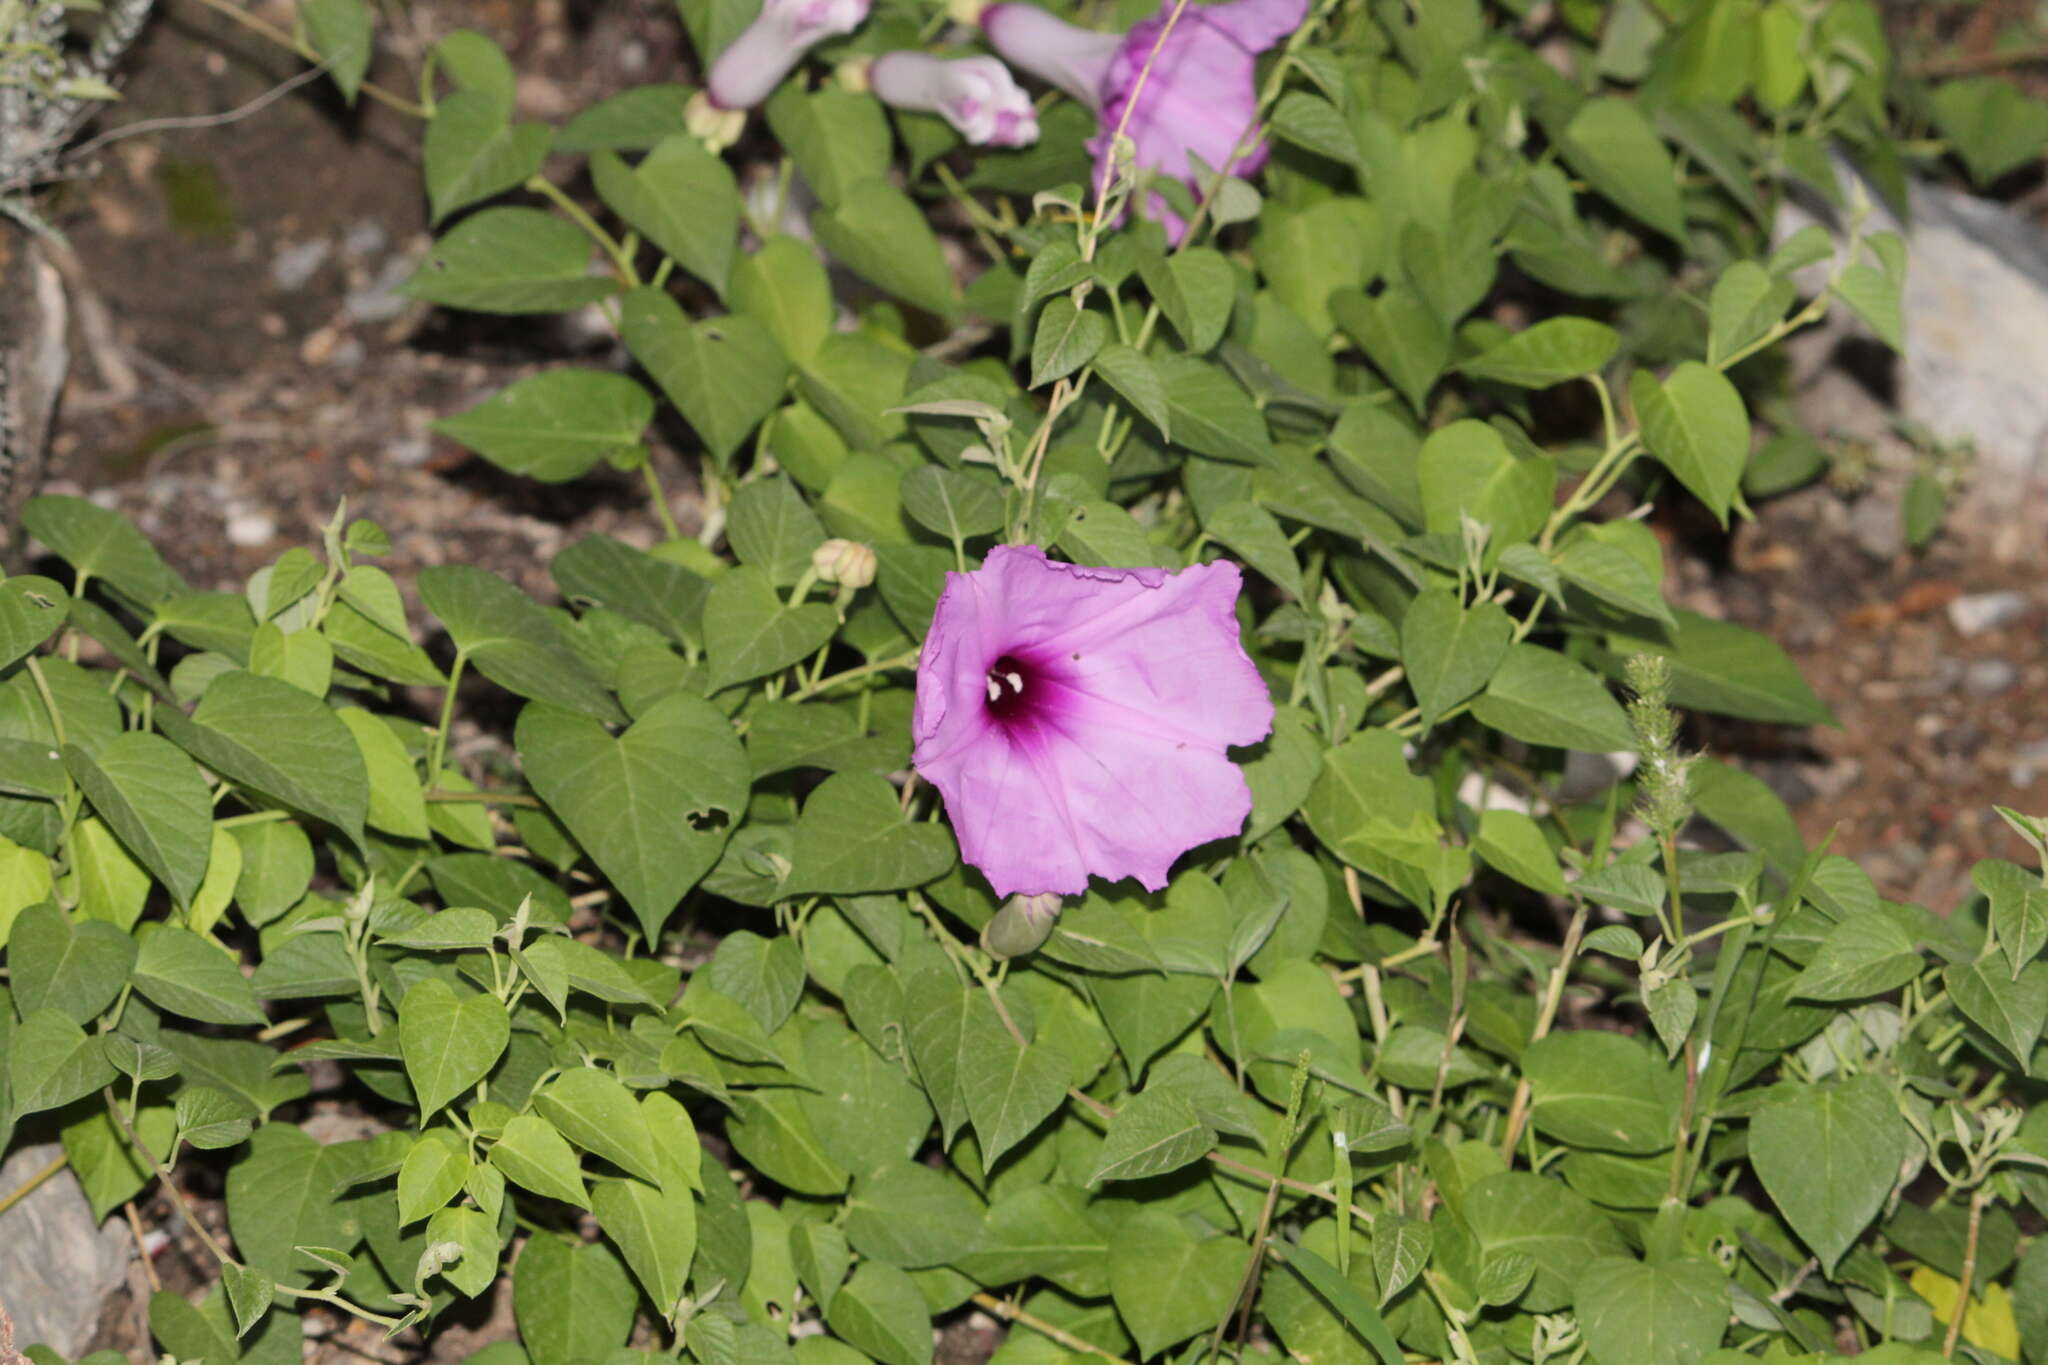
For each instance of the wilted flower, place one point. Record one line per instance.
(748, 71)
(1076, 719)
(1198, 100)
(977, 95)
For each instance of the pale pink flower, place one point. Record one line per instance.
(750, 68)
(1077, 720)
(1199, 98)
(977, 95)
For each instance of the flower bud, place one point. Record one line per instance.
(977, 95)
(754, 63)
(845, 562)
(1022, 925)
(712, 124)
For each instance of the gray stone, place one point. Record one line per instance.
(1990, 677)
(1974, 613)
(294, 265)
(379, 300)
(1975, 302)
(1877, 525)
(56, 1265)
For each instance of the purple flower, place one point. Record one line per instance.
(1199, 99)
(750, 68)
(977, 95)
(1076, 720)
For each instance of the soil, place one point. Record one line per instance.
(254, 370)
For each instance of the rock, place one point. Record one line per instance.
(1975, 302)
(248, 527)
(379, 300)
(1877, 525)
(1990, 677)
(365, 238)
(2028, 760)
(56, 1264)
(1977, 612)
(294, 265)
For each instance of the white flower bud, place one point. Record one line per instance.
(846, 562)
(712, 124)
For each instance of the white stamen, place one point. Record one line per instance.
(995, 693)
(1016, 682)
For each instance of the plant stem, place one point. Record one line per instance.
(437, 746)
(285, 40)
(659, 496)
(621, 261)
(1011, 1313)
(483, 798)
(908, 659)
(1553, 993)
(1978, 1198)
(28, 1186)
(163, 1175)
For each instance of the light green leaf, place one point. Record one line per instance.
(1722, 667)
(510, 260)
(1829, 1155)
(783, 287)
(101, 543)
(274, 738)
(881, 1312)
(473, 150)
(1600, 1090)
(179, 971)
(2011, 1010)
(532, 1154)
(771, 528)
(433, 1174)
(595, 1111)
(912, 1217)
(52, 1062)
(680, 197)
(1517, 1211)
(1066, 338)
(398, 804)
(1169, 1284)
(1513, 844)
(957, 504)
(885, 238)
(449, 1043)
(1135, 381)
(1631, 1310)
(1874, 296)
(1548, 353)
(553, 426)
(1450, 651)
(31, 610)
(654, 1229)
(1695, 423)
(724, 374)
(1612, 145)
(1746, 303)
(339, 31)
(572, 1302)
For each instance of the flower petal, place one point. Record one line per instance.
(1059, 53)
(1255, 24)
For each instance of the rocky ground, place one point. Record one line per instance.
(245, 364)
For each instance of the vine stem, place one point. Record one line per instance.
(1553, 994)
(28, 1186)
(285, 40)
(163, 1176)
(1955, 1322)
(1009, 1312)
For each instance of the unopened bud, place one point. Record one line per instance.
(845, 562)
(711, 124)
(1022, 925)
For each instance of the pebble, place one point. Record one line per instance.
(379, 300)
(251, 528)
(2028, 761)
(1977, 612)
(365, 238)
(1990, 677)
(294, 265)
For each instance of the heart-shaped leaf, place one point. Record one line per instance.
(1169, 1284)
(854, 837)
(75, 969)
(749, 632)
(654, 806)
(31, 609)
(449, 1043)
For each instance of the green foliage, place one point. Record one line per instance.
(1323, 1082)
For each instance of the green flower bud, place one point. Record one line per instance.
(1022, 925)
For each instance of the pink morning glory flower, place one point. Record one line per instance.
(750, 68)
(977, 95)
(1199, 98)
(1077, 720)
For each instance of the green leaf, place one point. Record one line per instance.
(52, 1062)
(1517, 1211)
(957, 504)
(854, 836)
(109, 1168)
(771, 1129)
(595, 1111)
(339, 33)
(2019, 911)
(1251, 533)
(1195, 288)
(450, 1043)
(1067, 337)
(912, 1217)
(1873, 296)
(1603, 565)
(1866, 954)
(633, 120)
(1400, 1248)
(476, 1269)
(654, 1229)
(533, 1155)
(1400, 333)
(433, 1174)
(269, 736)
(1991, 124)
(1342, 1295)
(511, 640)
(1513, 844)
(1722, 667)
(397, 802)
(784, 288)
(101, 543)
(2011, 1010)
(1548, 353)
(1152, 1133)
(765, 975)
(1746, 303)
(1630, 1310)
(881, 1312)
(179, 971)
(1211, 413)
(510, 260)
(186, 1333)
(1169, 1284)
(362, 644)
(838, 139)
(1598, 1090)
(1696, 425)
(724, 374)
(153, 797)
(284, 1194)
(1828, 1156)
(680, 197)
(74, 968)
(249, 1294)
(653, 807)
(1451, 652)
(602, 572)
(882, 236)
(472, 150)
(554, 426)
(1465, 470)
(572, 1302)
(31, 610)
(1135, 381)
(771, 528)
(1612, 145)
(1010, 1088)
